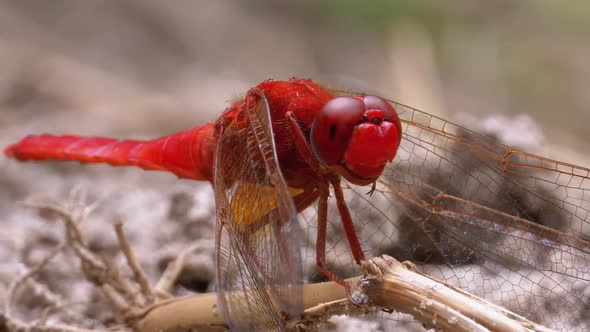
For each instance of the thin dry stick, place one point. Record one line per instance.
(138, 272)
(32, 271)
(98, 270)
(321, 301)
(123, 285)
(56, 301)
(123, 293)
(15, 325)
(175, 267)
(115, 298)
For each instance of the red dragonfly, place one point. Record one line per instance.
(289, 159)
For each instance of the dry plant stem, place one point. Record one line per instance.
(33, 271)
(98, 270)
(15, 325)
(393, 285)
(116, 299)
(202, 311)
(314, 318)
(324, 300)
(138, 272)
(175, 267)
(123, 285)
(56, 304)
(180, 313)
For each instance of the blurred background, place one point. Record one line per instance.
(140, 69)
(135, 68)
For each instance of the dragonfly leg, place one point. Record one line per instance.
(320, 250)
(353, 240)
(301, 144)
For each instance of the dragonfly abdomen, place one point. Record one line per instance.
(187, 154)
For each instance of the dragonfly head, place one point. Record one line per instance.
(356, 136)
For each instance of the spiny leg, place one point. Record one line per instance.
(353, 240)
(321, 241)
(320, 250)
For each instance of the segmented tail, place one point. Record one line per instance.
(188, 154)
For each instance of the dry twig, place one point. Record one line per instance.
(138, 273)
(175, 267)
(32, 271)
(98, 270)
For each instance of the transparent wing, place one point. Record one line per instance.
(258, 238)
(500, 223)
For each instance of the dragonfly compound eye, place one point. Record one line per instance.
(333, 126)
(359, 133)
